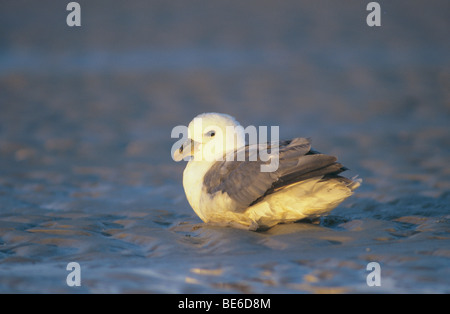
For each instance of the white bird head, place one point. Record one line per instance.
(210, 137)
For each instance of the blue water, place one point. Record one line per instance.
(86, 114)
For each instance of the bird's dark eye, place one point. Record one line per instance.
(211, 133)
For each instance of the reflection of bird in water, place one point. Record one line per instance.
(306, 183)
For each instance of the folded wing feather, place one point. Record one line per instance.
(247, 185)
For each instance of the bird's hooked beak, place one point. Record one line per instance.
(187, 149)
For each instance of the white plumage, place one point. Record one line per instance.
(234, 193)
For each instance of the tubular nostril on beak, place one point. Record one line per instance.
(185, 150)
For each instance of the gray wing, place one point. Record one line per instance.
(246, 184)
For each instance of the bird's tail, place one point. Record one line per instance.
(354, 183)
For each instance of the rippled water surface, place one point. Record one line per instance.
(85, 121)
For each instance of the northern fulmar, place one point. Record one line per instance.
(226, 190)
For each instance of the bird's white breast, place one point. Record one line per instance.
(193, 184)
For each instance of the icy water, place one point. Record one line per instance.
(86, 114)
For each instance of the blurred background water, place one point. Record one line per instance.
(86, 114)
